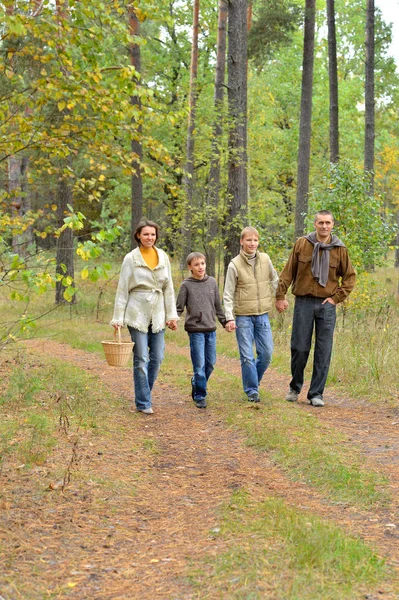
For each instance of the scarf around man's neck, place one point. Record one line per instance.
(321, 257)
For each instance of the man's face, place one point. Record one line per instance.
(323, 225)
(249, 243)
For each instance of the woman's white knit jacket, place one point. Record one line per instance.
(144, 295)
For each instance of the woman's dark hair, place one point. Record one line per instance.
(146, 223)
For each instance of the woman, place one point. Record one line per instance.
(145, 302)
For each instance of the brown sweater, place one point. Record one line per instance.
(297, 272)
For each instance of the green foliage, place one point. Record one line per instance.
(23, 387)
(38, 439)
(22, 278)
(361, 220)
(272, 27)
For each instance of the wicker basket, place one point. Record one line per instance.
(118, 352)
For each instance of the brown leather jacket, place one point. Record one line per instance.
(297, 271)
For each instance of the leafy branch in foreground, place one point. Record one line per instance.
(23, 278)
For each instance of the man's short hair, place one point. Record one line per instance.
(194, 255)
(249, 231)
(325, 213)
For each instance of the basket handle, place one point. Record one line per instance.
(119, 335)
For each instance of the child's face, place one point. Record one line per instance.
(250, 243)
(198, 268)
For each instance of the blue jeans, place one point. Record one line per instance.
(310, 313)
(254, 329)
(203, 357)
(148, 353)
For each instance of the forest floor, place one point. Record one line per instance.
(141, 508)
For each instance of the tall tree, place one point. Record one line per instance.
(333, 82)
(20, 200)
(136, 145)
(305, 126)
(65, 267)
(237, 186)
(190, 142)
(214, 171)
(369, 95)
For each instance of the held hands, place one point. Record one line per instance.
(281, 305)
(230, 326)
(172, 324)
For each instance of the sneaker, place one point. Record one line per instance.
(254, 397)
(146, 411)
(292, 395)
(200, 403)
(317, 401)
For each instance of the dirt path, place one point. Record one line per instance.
(138, 540)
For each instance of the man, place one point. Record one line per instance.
(321, 275)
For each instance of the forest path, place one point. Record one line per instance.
(133, 522)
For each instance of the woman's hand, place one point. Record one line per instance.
(172, 324)
(116, 327)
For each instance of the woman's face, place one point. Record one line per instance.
(147, 236)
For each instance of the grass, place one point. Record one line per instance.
(41, 397)
(272, 550)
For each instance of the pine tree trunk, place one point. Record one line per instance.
(20, 200)
(369, 95)
(333, 82)
(212, 229)
(305, 127)
(136, 146)
(190, 142)
(237, 186)
(65, 249)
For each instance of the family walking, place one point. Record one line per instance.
(318, 271)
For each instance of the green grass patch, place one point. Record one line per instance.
(276, 551)
(308, 450)
(42, 397)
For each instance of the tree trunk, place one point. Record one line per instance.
(136, 146)
(214, 171)
(369, 96)
(305, 126)
(65, 249)
(20, 200)
(190, 143)
(333, 82)
(237, 187)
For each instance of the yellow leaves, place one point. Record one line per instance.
(61, 106)
(101, 178)
(97, 77)
(84, 273)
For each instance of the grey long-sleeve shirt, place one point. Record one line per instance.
(201, 299)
